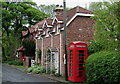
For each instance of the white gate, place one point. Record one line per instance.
(56, 61)
(52, 60)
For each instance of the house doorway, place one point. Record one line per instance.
(52, 60)
(56, 61)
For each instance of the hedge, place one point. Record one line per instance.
(15, 62)
(103, 67)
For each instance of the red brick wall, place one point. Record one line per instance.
(40, 44)
(56, 41)
(47, 45)
(80, 29)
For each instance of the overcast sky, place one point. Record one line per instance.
(69, 3)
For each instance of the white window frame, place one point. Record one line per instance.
(36, 28)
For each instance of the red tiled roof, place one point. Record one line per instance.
(31, 30)
(49, 21)
(40, 24)
(82, 10)
(34, 33)
(60, 17)
(70, 14)
(24, 33)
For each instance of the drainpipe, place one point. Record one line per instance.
(60, 58)
(42, 57)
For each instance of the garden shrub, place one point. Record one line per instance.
(93, 47)
(30, 69)
(18, 62)
(10, 62)
(36, 64)
(53, 70)
(103, 67)
(36, 69)
(43, 69)
(15, 62)
(39, 53)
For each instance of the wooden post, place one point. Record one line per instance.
(65, 41)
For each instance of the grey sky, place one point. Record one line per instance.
(69, 3)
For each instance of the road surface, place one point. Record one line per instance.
(10, 75)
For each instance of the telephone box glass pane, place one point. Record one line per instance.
(81, 57)
(70, 51)
(70, 75)
(70, 71)
(80, 73)
(81, 61)
(70, 67)
(81, 51)
(81, 68)
(80, 65)
(70, 61)
(81, 54)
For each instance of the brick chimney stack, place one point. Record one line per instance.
(58, 10)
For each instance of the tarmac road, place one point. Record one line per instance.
(10, 75)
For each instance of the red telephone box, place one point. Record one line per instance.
(78, 53)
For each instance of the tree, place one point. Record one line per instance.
(49, 9)
(102, 67)
(107, 26)
(29, 46)
(15, 18)
(17, 14)
(94, 6)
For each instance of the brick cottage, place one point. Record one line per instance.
(49, 35)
